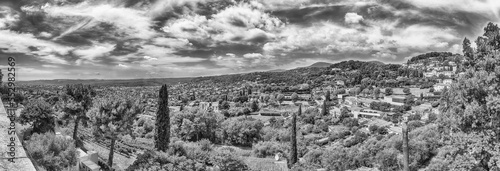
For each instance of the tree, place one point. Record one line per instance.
(406, 90)
(254, 106)
(388, 91)
(469, 111)
(241, 131)
(115, 118)
(280, 98)
(225, 105)
(376, 93)
(78, 100)
(162, 134)
(18, 98)
(40, 115)
(327, 96)
(324, 110)
(467, 49)
(295, 97)
(293, 154)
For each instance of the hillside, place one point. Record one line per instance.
(320, 65)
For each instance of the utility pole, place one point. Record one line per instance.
(406, 156)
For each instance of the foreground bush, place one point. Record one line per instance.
(51, 152)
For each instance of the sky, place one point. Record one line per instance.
(125, 39)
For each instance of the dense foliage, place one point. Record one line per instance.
(52, 152)
(40, 115)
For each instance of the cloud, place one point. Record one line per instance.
(242, 23)
(53, 59)
(485, 7)
(131, 22)
(172, 42)
(97, 50)
(123, 66)
(247, 61)
(253, 55)
(353, 18)
(20, 43)
(384, 55)
(9, 17)
(160, 7)
(149, 58)
(329, 38)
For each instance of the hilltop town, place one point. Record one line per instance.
(342, 105)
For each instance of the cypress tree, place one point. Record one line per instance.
(162, 134)
(293, 155)
(327, 96)
(325, 109)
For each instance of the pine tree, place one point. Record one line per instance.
(294, 155)
(78, 102)
(162, 134)
(115, 118)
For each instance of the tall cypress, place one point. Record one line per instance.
(162, 134)
(293, 155)
(324, 111)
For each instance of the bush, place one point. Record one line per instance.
(268, 148)
(227, 161)
(151, 160)
(350, 122)
(52, 152)
(241, 131)
(339, 134)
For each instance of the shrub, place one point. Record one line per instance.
(227, 161)
(52, 152)
(339, 134)
(268, 148)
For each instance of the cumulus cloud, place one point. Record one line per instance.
(242, 23)
(9, 17)
(334, 39)
(352, 18)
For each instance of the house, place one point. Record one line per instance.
(340, 83)
(440, 87)
(366, 113)
(335, 112)
(215, 106)
(204, 105)
(447, 81)
(88, 161)
(395, 100)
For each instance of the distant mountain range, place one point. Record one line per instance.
(318, 66)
